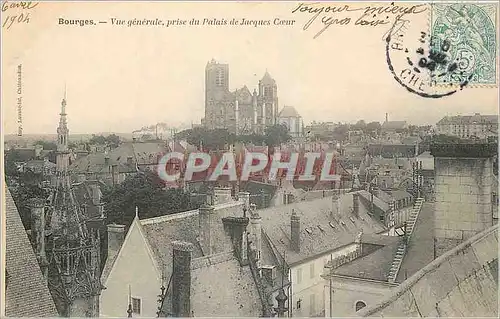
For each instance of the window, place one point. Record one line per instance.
(311, 269)
(299, 302)
(219, 78)
(299, 275)
(136, 305)
(360, 305)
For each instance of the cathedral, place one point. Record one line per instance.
(66, 239)
(241, 111)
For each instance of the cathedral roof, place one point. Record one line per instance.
(289, 111)
(267, 77)
(27, 294)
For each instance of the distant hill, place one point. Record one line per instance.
(52, 137)
(163, 130)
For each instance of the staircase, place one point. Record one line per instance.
(400, 252)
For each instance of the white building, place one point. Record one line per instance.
(477, 125)
(292, 119)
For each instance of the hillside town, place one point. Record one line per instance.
(409, 229)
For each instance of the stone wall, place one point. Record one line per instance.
(463, 195)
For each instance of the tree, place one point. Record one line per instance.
(373, 127)
(47, 145)
(360, 125)
(275, 135)
(11, 157)
(21, 197)
(340, 132)
(145, 191)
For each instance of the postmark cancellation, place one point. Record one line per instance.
(466, 33)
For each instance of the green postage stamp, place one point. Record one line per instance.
(466, 34)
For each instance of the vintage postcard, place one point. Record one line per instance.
(249, 159)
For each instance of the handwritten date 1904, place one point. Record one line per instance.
(341, 15)
(17, 19)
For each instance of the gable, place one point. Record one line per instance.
(134, 268)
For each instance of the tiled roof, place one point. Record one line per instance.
(316, 219)
(267, 77)
(400, 194)
(468, 119)
(376, 201)
(27, 294)
(224, 290)
(288, 111)
(421, 247)
(393, 125)
(373, 266)
(463, 282)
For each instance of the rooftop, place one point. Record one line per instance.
(460, 283)
(322, 230)
(27, 293)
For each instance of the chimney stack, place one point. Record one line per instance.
(295, 231)
(222, 195)
(237, 227)
(245, 198)
(206, 219)
(96, 193)
(387, 117)
(37, 207)
(355, 203)
(181, 279)
(256, 230)
(106, 159)
(129, 160)
(116, 236)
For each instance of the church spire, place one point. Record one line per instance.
(62, 160)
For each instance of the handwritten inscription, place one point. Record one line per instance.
(368, 16)
(16, 12)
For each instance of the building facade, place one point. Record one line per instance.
(289, 117)
(477, 125)
(239, 111)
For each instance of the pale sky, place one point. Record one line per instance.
(121, 78)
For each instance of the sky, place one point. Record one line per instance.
(119, 79)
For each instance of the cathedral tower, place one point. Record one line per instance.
(216, 95)
(268, 101)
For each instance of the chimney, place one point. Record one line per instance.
(106, 159)
(96, 193)
(129, 160)
(256, 230)
(387, 117)
(336, 203)
(37, 207)
(222, 195)
(355, 203)
(116, 235)
(245, 198)
(295, 231)
(237, 228)
(181, 279)
(467, 169)
(206, 217)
